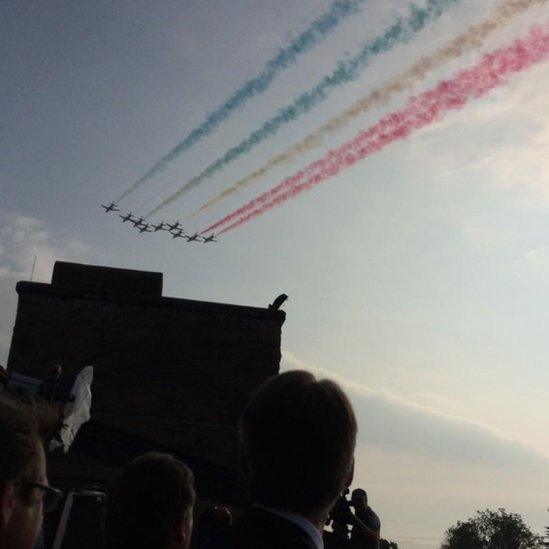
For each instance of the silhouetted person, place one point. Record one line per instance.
(298, 438)
(150, 505)
(366, 524)
(24, 491)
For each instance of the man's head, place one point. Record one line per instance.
(151, 504)
(359, 499)
(298, 435)
(22, 468)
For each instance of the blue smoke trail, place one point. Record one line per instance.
(401, 31)
(308, 39)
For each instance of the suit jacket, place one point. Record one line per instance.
(259, 529)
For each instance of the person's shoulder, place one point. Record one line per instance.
(373, 515)
(262, 530)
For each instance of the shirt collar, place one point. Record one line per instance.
(299, 521)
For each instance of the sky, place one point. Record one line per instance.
(417, 278)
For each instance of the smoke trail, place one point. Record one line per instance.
(472, 38)
(347, 70)
(493, 70)
(307, 40)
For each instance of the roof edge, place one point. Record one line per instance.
(42, 288)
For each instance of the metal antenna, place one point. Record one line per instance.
(33, 266)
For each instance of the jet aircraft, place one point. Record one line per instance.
(138, 222)
(174, 227)
(110, 208)
(193, 238)
(210, 238)
(127, 217)
(178, 234)
(145, 229)
(160, 227)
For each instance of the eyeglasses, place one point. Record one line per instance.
(52, 496)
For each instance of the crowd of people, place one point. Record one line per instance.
(298, 437)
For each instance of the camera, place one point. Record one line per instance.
(341, 511)
(341, 516)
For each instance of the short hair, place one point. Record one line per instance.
(151, 495)
(298, 437)
(359, 493)
(19, 444)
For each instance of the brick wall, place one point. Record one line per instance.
(175, 371)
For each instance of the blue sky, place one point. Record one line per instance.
(418, 277)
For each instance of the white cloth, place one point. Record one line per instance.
(77, 411)
(299, 521)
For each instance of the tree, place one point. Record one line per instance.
(492, 530)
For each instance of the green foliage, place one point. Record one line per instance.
(492, 530)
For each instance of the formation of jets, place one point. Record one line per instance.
(174, 229)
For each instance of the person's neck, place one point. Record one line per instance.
(318, 520)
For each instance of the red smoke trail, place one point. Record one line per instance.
(494, 69)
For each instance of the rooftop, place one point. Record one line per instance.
(128, 286)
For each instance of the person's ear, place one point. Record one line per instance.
(351, 474)
(9, 497)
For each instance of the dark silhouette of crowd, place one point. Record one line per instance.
(298, 437)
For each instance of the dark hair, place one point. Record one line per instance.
(152, 494)
(19, 444)
(298, 436)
